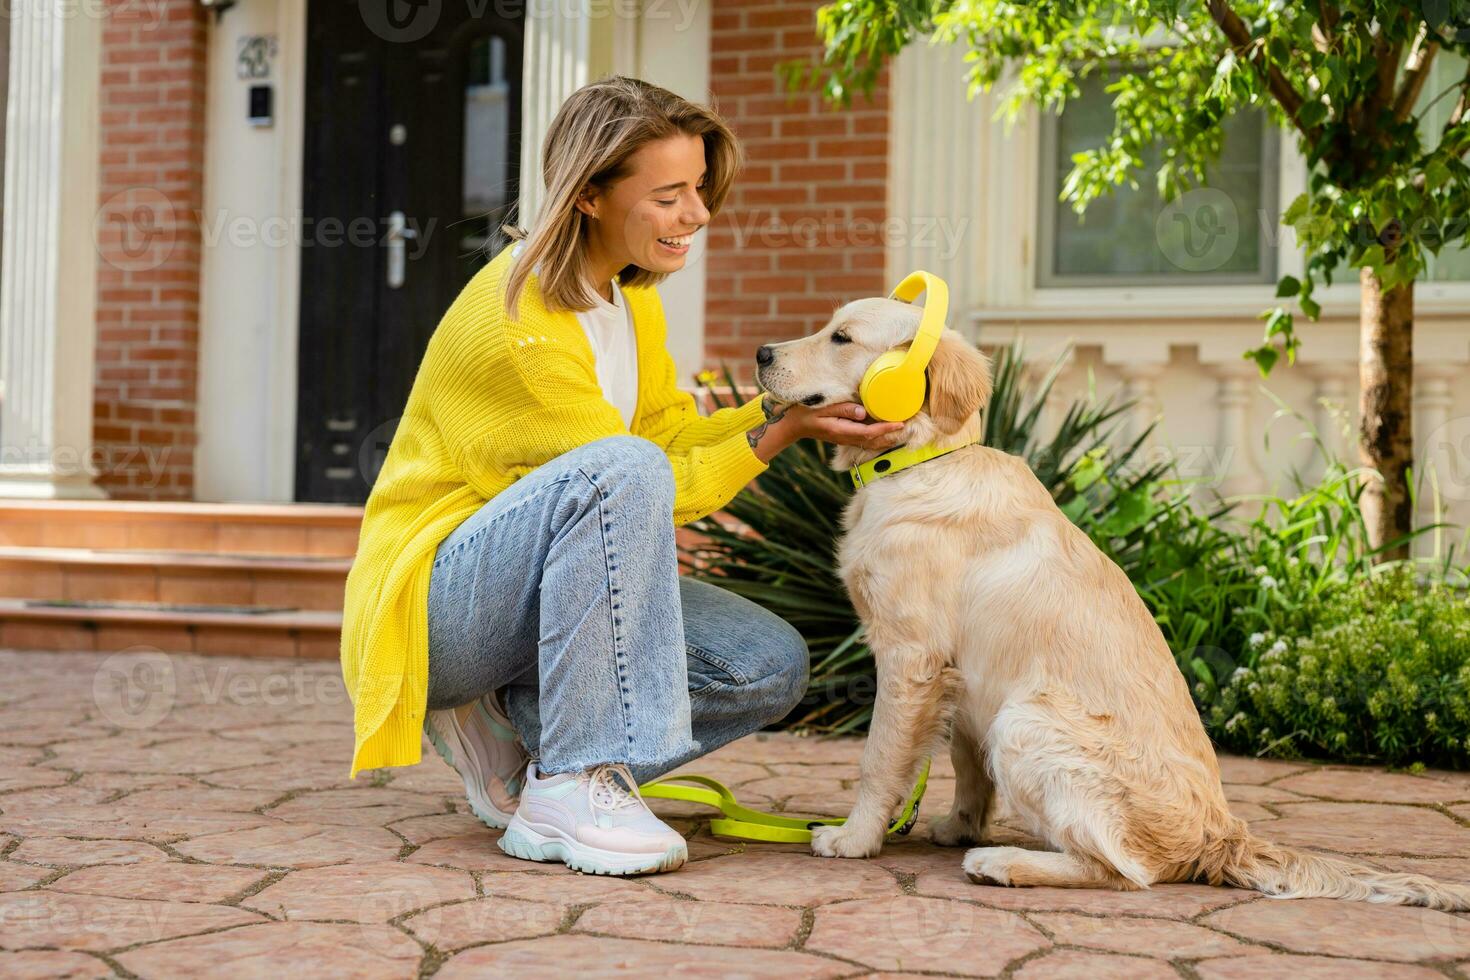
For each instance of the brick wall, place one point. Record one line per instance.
(802, 231)
(152, 173)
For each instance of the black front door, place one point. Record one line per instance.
(411, 163)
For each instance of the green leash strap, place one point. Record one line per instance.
(742, 821)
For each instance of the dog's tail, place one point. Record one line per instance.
(1284, 872)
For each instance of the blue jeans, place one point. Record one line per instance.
(563, 594)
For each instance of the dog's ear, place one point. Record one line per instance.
(959, 381)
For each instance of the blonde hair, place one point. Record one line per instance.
(594, 133)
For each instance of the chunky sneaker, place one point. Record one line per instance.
(593, 821)
(486, 753)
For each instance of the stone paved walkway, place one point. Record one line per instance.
(182, 817)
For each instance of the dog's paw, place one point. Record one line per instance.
(841, 842)
(988, 866)
(954, 830)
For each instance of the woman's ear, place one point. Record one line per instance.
(959, 381)
(587, 201)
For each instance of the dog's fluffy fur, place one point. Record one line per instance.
(984, 603)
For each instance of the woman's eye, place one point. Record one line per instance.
(667, 204)
(841, 338)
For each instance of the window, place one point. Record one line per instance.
(1453, 262)
(487, 149)
(1223, 232)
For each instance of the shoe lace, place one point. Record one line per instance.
(613, 788)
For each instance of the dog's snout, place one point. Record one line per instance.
(764, 355)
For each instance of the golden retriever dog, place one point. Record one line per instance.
(986, 607)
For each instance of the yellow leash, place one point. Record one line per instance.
(742, 821)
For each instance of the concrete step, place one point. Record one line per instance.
(286, 530)
(171, 628)
(172, 576)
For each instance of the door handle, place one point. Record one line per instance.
(396, 241)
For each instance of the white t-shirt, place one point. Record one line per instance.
(609, 329)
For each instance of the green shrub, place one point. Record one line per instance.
(1376, 671)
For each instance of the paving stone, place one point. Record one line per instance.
(37, 964)
(62, 851)
(477, 851)
(96, 922)
(1151, 937)
(911, 933)
(282, 949)
(123, 822)
(1353, 929)
(1074, 964)
(198, 797)
(597, 956)
(181, 755)
(294, 845)
(782, 787)
(1245, 793)
(563, 889)
(670, 920)
(738, 773)
(48, 797)
(1273, 966)
(429, 776)
(14, 877)
(1238, 769)
(764, 878)
(18, 778)
(421, 830)
(176, 880)
(298, 775)
(374, 891)
(1455, 870)
(361, 806)
(1161, 901)
(1368, 828)
(493, 918)
(1375, 786)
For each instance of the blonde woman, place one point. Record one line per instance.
(516, 591)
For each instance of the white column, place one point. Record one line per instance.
(48, 277)
(556, 63)
(1139, 378)
(1443, 445)
(1330, 409)
(1234, 446)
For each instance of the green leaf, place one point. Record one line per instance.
(1288, 286)
(1310, 307)
(1265, 357)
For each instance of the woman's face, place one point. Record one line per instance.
(648, 218)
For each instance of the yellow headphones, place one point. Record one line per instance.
(893, 388)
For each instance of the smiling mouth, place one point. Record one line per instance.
(678, 241)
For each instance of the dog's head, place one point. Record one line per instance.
(829, 365)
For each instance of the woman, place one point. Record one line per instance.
(516, 590)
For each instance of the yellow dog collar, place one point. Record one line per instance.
(894, 460)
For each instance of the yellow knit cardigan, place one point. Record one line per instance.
(495, 398)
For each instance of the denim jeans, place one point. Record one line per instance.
(563, 594)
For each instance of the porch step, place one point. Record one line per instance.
(83, 574)
(296, 530)
(172, 628)
(237, 579)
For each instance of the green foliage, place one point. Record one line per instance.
(1378, 671)
(784, 555)
(1345, 78)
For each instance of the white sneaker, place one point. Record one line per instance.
(593, 821)
(487, 754)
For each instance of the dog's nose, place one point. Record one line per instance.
(765, 356)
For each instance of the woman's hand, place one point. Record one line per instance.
(843, 423)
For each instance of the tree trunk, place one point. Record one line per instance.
(1386, 411)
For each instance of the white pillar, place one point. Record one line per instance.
(1139, 378)
(556, 63)
(48, 277)
(1235, 440)
(1443, 445)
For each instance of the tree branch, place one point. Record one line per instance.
(1461, 105)
(1245, 47)
(1416, 72)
